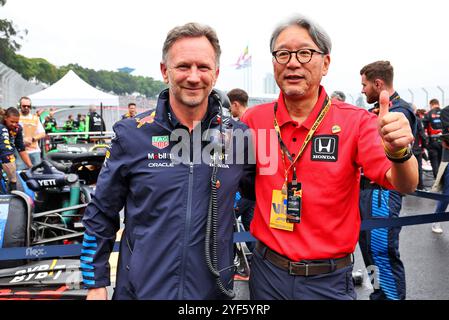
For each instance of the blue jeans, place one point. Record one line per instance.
(35, 158)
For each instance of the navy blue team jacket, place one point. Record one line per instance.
(10, 140)
(162, 249)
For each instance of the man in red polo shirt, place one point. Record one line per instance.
(309, 152)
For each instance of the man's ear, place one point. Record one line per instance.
(217, 72)
(326, 64)
(164, 72)
(379, 84)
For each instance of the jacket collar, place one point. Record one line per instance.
(393, 97)
(166, 116)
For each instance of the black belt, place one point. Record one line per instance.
(366, 184)
(304, 267)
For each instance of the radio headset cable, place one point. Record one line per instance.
(212, 215)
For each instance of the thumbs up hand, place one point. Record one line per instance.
(394, 127)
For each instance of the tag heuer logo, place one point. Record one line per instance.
(325, 148)
(161, 142)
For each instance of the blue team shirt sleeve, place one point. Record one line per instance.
(18, 143)
(8, 143)
(101, 218)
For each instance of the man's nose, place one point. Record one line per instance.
(194, 75)
(294, 63)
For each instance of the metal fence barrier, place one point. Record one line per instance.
(13, 87)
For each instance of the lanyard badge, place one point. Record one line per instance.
(294, 198)
(293, 191)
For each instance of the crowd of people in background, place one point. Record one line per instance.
(91, 122)
(23, 132)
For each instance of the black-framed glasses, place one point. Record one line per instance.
(303, 56)
(25, 106)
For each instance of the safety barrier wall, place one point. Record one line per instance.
(13, 86)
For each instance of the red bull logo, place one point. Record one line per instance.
(148, 119)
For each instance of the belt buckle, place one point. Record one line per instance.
(297, 264)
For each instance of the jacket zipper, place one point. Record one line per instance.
(186, 232)
(187, 223)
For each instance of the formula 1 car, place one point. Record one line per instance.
(46, 279)
(58, 191)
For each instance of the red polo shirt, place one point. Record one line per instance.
(329, 171)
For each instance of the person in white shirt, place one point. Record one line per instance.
(33, 131)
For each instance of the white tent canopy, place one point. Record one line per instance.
(71, 90)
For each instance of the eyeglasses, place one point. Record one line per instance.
(302, 55)
(25, 106)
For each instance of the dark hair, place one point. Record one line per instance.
(434, 101)
(382, 70)
(191, 30)
(12, 111)
(238, 95)
(131, 104)
(316, 32)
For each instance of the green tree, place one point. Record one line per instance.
(9, 37)
(44, 71)
(22, 65)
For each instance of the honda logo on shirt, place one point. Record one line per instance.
(325, 148)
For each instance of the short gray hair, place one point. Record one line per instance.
(192, 30)
(339, 95)
(316, 32)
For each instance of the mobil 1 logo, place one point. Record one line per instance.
(325, 148)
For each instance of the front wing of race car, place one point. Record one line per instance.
(45, 279)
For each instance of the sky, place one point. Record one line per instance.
(110, 34)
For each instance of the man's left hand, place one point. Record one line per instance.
(394, 127)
